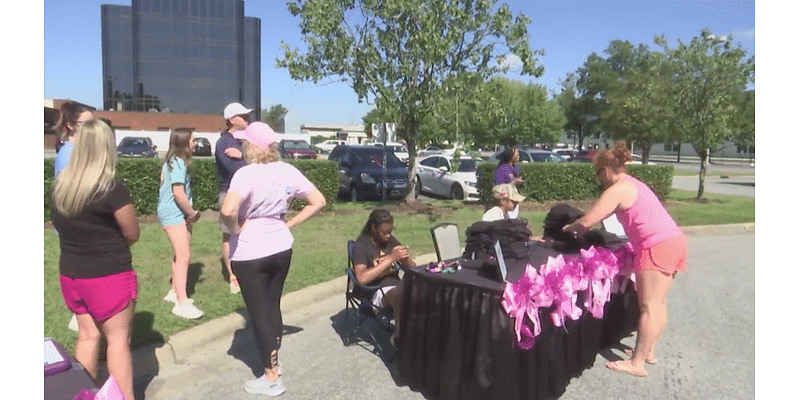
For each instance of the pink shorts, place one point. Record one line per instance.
(667, 256)
(102, 297)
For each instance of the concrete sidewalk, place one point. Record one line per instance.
(154, 363)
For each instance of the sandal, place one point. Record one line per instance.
(617, 367)
(651, 361)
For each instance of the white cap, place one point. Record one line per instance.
(235, 109)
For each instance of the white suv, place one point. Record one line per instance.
(398, 149)
(328, 145)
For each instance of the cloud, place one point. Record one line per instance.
(744, 34)
(511, 61)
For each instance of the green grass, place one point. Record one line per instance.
(319, 256)
(714, 209)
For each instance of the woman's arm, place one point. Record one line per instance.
(314, 202)
(230, 211)
(605, 206)
(365, 275)
(183, 202)
(126, 219)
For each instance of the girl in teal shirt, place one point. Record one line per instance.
(176, 215)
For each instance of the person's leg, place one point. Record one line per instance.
(87, 348)
(653, 287)
(117, 331)
(261, 282)
(180, 239)
(392, 298)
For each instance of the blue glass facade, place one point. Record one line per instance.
(188, 56)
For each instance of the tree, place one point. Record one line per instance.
(707, 77)
(406, 55)
(274, 117)
(374, 116)
(637, 110)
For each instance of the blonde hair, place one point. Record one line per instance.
(179, 147)
(91, 168)
(615, 158)
(254, 154)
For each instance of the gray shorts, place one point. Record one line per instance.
(222, 226)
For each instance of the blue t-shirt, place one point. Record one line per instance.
(504, 172)
(62, 158)
(168, 211)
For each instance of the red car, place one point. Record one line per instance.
(298, 149)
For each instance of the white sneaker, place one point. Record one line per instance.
(73, 323)
(187, 310)
(262, 385)
(171, 297)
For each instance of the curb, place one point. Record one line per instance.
(730, 229)
(147, 359)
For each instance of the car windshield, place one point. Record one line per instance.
(397, 149)
(133, 142)
(468, 165)
(299, 145)
(374, 158)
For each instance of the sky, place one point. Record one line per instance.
(568, 31)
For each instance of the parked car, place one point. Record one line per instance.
(328, 145)
(429, 150)
(298, 149)
(136, 147)
(568, 154)
(202, 147)
(438, 175)
(531, 155)
(398, 148)
(581, 158)
(361, 172)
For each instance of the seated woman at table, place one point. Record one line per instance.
(507, 200)
(374, 256)
(659, 245)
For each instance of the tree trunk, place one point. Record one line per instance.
(703, 160)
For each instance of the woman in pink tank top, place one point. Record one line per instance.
(659, 245)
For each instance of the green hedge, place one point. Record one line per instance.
(142, 176)
(557, 181)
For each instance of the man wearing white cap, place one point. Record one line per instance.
(508, 199)
(229, 158)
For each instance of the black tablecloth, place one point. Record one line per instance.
(457, 342)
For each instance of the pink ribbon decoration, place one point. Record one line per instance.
(597, 271)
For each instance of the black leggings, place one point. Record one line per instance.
(261, 281)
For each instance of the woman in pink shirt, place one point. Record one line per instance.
(659, 245)
(261, 242)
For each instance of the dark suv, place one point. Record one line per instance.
(361, 172)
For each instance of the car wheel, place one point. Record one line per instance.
(417, 188)
(456, 192)
(353, 194)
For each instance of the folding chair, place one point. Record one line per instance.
(359, 298)
(446, 241)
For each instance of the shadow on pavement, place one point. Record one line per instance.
(243, 346)
(370, 336)
(145, 358)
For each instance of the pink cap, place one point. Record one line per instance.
(257, 133)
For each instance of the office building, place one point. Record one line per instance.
(180, 56)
